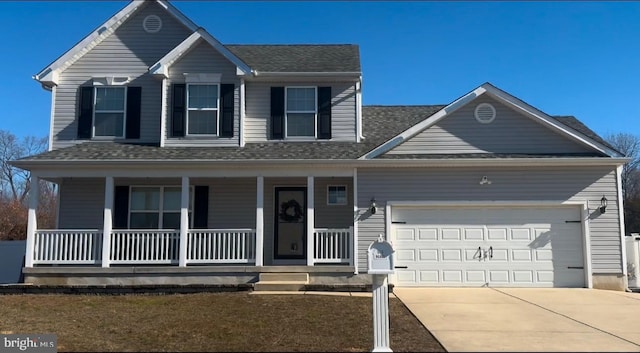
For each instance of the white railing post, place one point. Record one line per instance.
(259, 221)
(310, 221)
(32, 221)
(107, 222)
(184, 222)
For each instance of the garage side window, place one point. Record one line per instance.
(336, 195)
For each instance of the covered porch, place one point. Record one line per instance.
(202, 220)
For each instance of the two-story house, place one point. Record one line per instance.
(183, 160)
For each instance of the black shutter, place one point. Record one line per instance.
(324, 112)
(85, 109)
(226, 110)
(133, 112)
(277, 113)
(178, 109)
(121, 207)
(201, 207)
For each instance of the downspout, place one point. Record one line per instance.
(359, 110)
(53, 109)
(163, 113)
(242, 113)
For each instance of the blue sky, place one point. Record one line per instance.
(566, 58)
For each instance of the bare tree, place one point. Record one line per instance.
(629, 145)
(15, 185)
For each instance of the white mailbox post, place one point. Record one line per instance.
(380, 266)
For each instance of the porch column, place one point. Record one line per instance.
(354, 254)
(107, 224)
(310, 221)
(32, 221)
(184, 221)
(260, 221)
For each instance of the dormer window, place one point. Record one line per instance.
(109, 111)
(202, 109)
(301, 112)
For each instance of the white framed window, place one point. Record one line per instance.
(301, 111)
(336, 195)
(202, 109)
(109, 113)
(157, 207)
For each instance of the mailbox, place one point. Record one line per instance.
(380, 257)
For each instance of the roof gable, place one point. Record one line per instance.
(516, 105)
(509, 133)
(162, 66)
(49, 75)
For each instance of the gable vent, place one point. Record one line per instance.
(152, 24)
(485, 113)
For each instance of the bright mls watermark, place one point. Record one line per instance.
(35, 343)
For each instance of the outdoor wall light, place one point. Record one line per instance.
(373, 206)
(485, 181)
(603, 204)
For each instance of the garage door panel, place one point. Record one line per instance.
(532, 246)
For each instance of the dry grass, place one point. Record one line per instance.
(210, 322)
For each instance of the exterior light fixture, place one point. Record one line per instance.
(485, 181)
(603, 204)
(373, 206)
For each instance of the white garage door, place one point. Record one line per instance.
(494, 246)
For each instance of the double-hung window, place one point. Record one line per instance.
(301, 110)
(109, 111)
(157, 207)
(202, 109)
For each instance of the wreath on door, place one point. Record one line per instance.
(291, 211)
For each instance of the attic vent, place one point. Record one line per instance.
(152, 24)
(485, 113)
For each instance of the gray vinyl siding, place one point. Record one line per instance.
(258, 109)
(81, 203)
(510, 132)
(232, 203)
(332, 216)
(129, 51)
(204, 59)
(513, 184)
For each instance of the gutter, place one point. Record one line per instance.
(355, 74)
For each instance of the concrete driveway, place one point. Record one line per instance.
(510, 319)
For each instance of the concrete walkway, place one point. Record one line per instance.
(526, 320)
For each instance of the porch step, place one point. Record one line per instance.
(284, 276)
(282, 281)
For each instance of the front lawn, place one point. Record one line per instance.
(210, 322)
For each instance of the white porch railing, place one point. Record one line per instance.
(67, 247)
(221, 246)
(145, 246)
(333, 245)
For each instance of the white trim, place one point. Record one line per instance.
(163, 112)
(50, 74)
(216, 109)
(346, 194)
(184, 219)
(354, 74)
(259, 221)
(587, 245)
(52, 115)
(504, 98)
(94, 112)
(358, 86)
(110, 80)
(584, 217)
(32, 220)
(315, 114)
(161, 67)
(311, 226)
(242, 112)
(621, 220)
(202, 78)
(107, 225)
(356, 215)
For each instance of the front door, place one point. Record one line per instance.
(290, 223)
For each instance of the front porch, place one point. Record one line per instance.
(209, 221)
(163, 247)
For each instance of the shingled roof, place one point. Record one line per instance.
(299, 58)
(380, 123)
